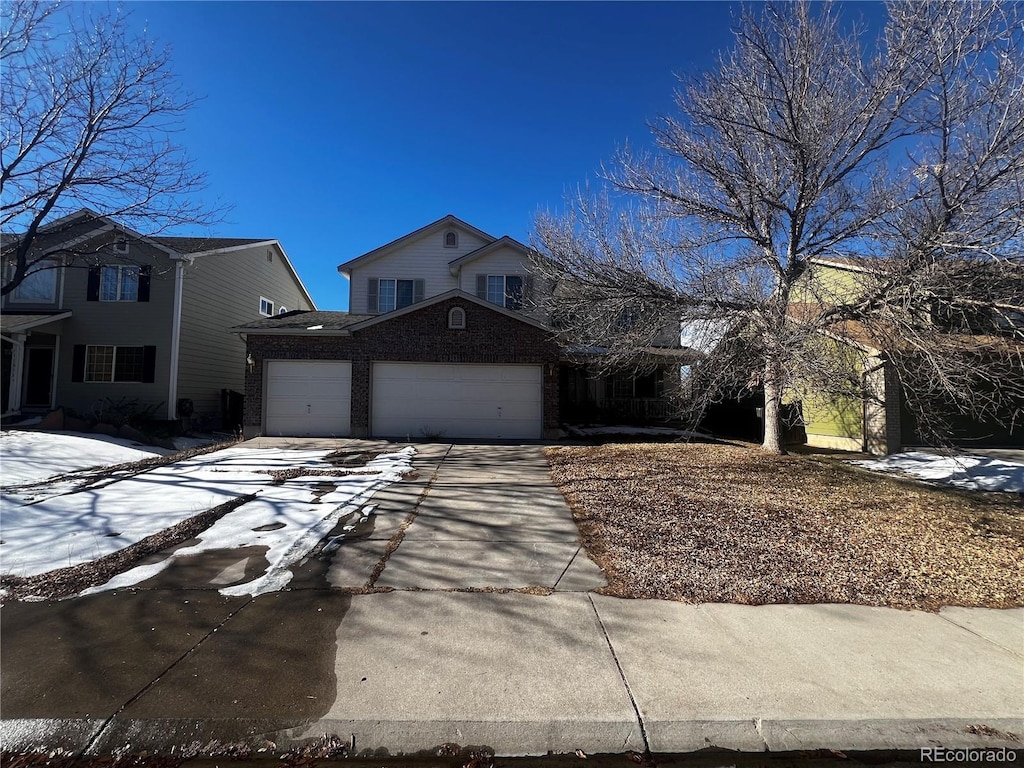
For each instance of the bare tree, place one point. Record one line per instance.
(89, 113)
(802, 146)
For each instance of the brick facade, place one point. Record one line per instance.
(420, 336)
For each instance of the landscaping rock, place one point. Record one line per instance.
(131, 433)
(53, 420)
(105, 429)
(75, 424)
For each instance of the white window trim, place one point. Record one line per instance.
(121, 245)
(264, 301)
(396, 281)
(504, 291)
(282, 309)
(52, 265)
(113, 364)
(120, 281)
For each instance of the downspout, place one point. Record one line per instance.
(172, 384)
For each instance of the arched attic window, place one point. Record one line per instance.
(457, 318)
(451, 239)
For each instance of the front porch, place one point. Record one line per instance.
(29, 354)
(638, 397)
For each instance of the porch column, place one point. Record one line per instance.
(17, 342)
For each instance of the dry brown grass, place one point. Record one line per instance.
(727, 523)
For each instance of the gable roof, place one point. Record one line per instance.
(442, 223)
(102, 224)
(196, 245)
(452, 294)
(503, 242)
(301, 323)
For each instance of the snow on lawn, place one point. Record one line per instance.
(65, 530)
(976, 473)
(28, 457)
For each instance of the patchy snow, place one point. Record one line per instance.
(43, 531)
(624, 430)
(976, 473)
(28, 457)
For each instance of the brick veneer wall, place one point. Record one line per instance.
(421, 336)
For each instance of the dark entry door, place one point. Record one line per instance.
(38, 376)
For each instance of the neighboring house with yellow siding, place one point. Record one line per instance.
(878, 421)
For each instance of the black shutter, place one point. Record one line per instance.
(417, 291)
(144, 277)
(148, 365)
(92, 292)
(371, 296)
(481, 287)
(78, 363)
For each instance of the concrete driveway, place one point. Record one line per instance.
(472, 517)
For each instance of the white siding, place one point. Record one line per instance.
(504, 261)
(423, 259)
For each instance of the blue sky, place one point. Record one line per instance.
(337, 127)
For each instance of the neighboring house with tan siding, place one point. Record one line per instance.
(118, 316)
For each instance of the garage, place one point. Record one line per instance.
(433, 400)
(309, 398)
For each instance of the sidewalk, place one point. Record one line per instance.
(522, 674)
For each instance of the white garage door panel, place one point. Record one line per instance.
(308, 398)
(420, 399)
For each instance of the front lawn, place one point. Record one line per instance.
(727, 524)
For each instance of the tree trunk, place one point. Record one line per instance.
(773, 409)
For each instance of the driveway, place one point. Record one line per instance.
(482, 516)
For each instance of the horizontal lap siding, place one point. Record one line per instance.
(222, 291)
(424, 259)
(118, 323)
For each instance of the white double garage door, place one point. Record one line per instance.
(407, 400)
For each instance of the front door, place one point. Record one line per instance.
(38, 376)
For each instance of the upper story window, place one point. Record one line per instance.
(39, 285)
(451, 239)
(121, 245)
(119, 283)
(503, 290)
(387, 294)
(266, 307)
(282, 309)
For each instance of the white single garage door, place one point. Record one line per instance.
(309, 398)
(419, 400)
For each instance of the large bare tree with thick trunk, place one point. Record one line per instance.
(89, 113)
(803, 145)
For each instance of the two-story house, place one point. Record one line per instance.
(111, 316)
(443, 338)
